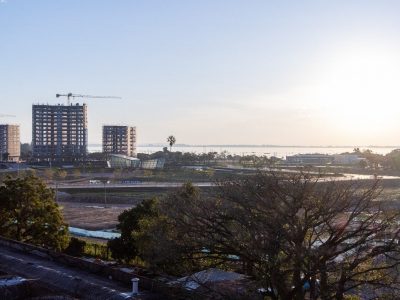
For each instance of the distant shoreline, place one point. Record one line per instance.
(255, 146)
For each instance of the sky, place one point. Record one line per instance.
(210, 71)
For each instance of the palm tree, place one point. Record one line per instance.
(171, 140)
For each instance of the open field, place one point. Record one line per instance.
(117, 194)
(128, 196)
(86, 208)
(92, 216)
(89, 209)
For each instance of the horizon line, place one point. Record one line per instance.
(258, 145)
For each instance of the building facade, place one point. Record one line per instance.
(310, 159)
(119, 140)
(59, 132)
(120, 161)
(347, 159)
(10, 145)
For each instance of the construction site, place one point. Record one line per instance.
(10, 143)
(119, 140)
(60, 139)
(59, 132)
(60, 135)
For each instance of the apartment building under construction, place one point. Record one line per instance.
(59, 132)
(119, 140)
(10, 145)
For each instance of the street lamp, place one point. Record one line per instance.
(56, 191)
(105, 194)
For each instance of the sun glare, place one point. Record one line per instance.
(358, 90)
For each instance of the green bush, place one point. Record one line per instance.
(76, 247)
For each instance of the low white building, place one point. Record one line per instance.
(309, 159)
(346, 159)
(123, 161)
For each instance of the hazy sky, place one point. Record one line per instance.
(210, 71)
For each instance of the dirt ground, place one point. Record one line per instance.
(92, 216)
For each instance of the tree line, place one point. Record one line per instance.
(178, 158)
(390, 161)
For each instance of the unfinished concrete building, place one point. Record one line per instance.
(59, 132)
(10, 145)
(119, 140)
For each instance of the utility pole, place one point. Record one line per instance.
(105, 194)
(56, 191)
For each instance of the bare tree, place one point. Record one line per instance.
(296, 235)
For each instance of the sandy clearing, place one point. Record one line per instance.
(92, 216)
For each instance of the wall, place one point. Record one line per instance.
(96, 267)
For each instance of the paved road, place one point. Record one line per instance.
(71, 281)
(126, 185)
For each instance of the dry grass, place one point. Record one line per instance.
(92, 216)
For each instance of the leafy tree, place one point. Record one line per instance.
(61, 174)
(392, 160)
(171, 141)
(124, 248)
(48, 174)
(29, 214)
(30, 172)
(117, 173)
(363, 164)
(375, 161)
(288, 231)
(356, 150)
(148, 173)
(160, 244)
(77, 173)
(76, 247)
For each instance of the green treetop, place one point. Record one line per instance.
(28, 213)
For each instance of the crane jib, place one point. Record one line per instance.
(70, 95)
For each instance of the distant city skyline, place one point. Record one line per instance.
(209, 72)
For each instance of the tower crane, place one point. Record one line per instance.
(70, 95)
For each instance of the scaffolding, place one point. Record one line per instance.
(59, 132)
(9, 143)
(119, 140)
